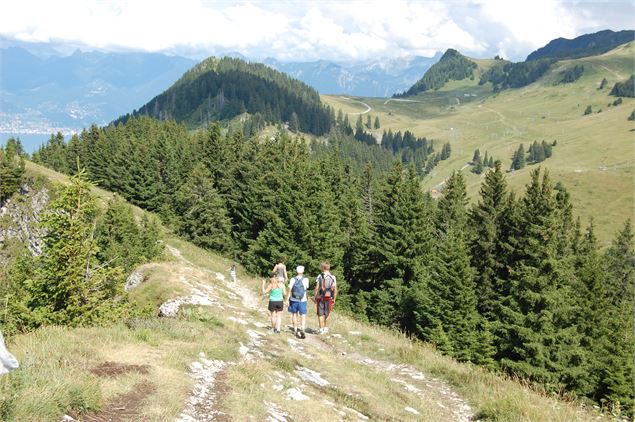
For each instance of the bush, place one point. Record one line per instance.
(624, 89)
(588, 110)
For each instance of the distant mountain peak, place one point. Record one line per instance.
(582, 46)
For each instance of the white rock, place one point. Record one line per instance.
(133, 280)
(411, 410)
(311, 376)
(295, 394)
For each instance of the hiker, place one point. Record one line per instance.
(232, 272)
(325, 295)
(296, 299)
(8, 362)
(276, 291)
(280, 270)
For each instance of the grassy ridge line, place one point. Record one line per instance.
(594, 157)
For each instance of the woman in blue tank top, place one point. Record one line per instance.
(277, 291)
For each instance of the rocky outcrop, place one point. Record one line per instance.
(20, 217)
(133, 280)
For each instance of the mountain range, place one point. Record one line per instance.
(43, 90)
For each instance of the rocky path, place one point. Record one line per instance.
(202, 404)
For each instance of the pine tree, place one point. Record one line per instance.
(477, 156)
(538, 341)
(446, 150)
(518, 159)
(451, 206)
(402, 230)
(452, 292)
(69, 286)
(294, 123)
(492, 220)
(203, 213)
(615, 359)
(118, 236)
(369, 122)
(376, 125)
(359, 125)
(12, 171)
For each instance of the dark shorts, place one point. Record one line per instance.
(297, 307)
(275, 306)
(324, 307)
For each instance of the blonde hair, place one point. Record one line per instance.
(325, 266)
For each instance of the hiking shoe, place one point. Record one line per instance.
(302, 335)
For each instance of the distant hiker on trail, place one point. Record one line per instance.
(232, 272)
(276, 291)
(296, 298)
(325, 295)
(280, 271)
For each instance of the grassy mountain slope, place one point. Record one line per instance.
(583, 46)
(594, 155)
(216, 360)
(220, 89)
(452, 66)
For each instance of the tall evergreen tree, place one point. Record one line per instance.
(204, 218)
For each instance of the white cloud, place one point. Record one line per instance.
(293, 30)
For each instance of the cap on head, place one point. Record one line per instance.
(300, 269)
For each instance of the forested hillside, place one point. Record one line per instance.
(582, 46)
(452, 66)
(512, 283)
(220, 89)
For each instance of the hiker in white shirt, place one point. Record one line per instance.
(296, 300)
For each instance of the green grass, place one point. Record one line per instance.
(595, 154)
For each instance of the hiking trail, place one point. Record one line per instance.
(304, 382)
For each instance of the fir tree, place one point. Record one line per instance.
(69, 285)
(12, 171)
(294, 123)
(204, 217)
(376, 125)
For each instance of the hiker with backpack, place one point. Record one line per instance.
(277, 292)
(325, 295)
(296, 299)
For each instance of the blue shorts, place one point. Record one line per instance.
(297, 307)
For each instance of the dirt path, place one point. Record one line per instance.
(401, 100)
(368, 108)
(440, 184)
(203, 402)
(612, 72)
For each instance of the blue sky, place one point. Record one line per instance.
(311, 30)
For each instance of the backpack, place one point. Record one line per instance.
(298, 290)
(326, 290)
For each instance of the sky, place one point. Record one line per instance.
(340, 31)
